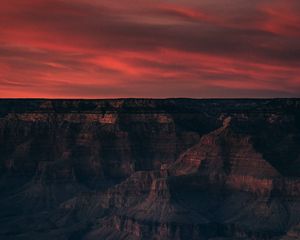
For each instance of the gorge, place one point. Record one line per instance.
(214, 169)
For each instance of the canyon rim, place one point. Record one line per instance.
(150, 169)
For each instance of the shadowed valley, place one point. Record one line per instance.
(150, 169)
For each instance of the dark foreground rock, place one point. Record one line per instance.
(150, 169)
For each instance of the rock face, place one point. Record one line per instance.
(150, 169)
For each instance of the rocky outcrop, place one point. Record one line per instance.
(150, 169)
(224, 151)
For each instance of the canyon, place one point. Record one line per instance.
(157, 169)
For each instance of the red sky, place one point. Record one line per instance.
(142, 48)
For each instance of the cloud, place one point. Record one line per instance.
(88, 48)
(282, 18)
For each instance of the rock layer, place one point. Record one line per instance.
(150, 169)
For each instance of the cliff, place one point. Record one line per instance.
(150, 169)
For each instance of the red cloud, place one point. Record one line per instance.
(282, 18)
(98, 49)
(184, 12)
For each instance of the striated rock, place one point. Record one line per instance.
(150, 169)
(226, 152)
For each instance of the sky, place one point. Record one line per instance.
(149, 49)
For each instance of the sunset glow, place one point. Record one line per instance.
(179, 48)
